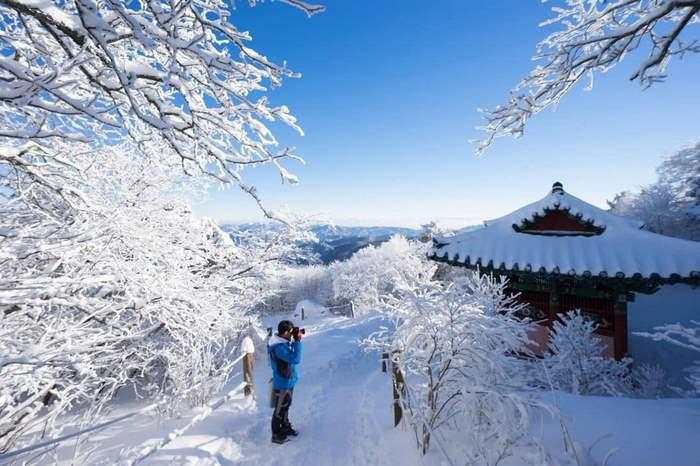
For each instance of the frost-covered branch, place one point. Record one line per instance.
(179, 76)
(677, 334)
(594, 37)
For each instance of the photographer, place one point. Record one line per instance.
(284, 349)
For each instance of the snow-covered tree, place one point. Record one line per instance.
(593, 37)
(681, 173)
(670, 206)
(576, 362)
(376, 271)
(455, 344)
(368, 275)
(107, 280)
(433, 229)
(110, 113)
(113, 114)
(176, 75)
(653, 205)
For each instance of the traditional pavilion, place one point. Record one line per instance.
(561, 253)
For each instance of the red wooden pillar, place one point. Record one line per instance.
(620, 326)
(554, 301)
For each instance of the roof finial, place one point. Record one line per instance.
(557, 187)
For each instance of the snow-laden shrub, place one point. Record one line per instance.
(375, 272)
(368, 275)
(694, 377)
(575, 360)
(649, 381)
(112, 282)
(456, 343)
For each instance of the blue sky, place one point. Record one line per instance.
(388, 101)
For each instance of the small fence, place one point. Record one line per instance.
(146, 450)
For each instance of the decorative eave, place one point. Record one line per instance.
(636, 280)
(581, 227)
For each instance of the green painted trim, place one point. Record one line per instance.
(624, 284)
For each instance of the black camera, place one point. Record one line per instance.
(297, 330)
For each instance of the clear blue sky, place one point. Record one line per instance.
(388, 101)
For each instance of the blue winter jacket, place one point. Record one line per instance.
(284, 357)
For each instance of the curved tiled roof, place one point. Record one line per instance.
(621, 250)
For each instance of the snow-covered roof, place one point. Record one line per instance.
(617, 248)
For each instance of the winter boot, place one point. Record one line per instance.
(279, 438)
(289, 430)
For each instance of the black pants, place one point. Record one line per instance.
(280, 416)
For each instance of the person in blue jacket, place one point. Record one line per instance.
(284, 349)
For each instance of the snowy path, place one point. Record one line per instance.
(342, 407)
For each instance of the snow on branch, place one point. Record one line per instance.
(594, 36)
(309, 8)
(178, 75)
(677, 334)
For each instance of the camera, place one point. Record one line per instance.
(297, 330)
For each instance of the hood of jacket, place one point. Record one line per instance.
(276, 340)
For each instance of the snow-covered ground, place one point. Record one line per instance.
(343, 409)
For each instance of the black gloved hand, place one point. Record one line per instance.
(297, 333)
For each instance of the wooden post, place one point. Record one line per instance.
(385, 360)
(248, 357)
(397, 384)
(302, 313)
(352, 310)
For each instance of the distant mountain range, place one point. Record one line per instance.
(335, 243)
